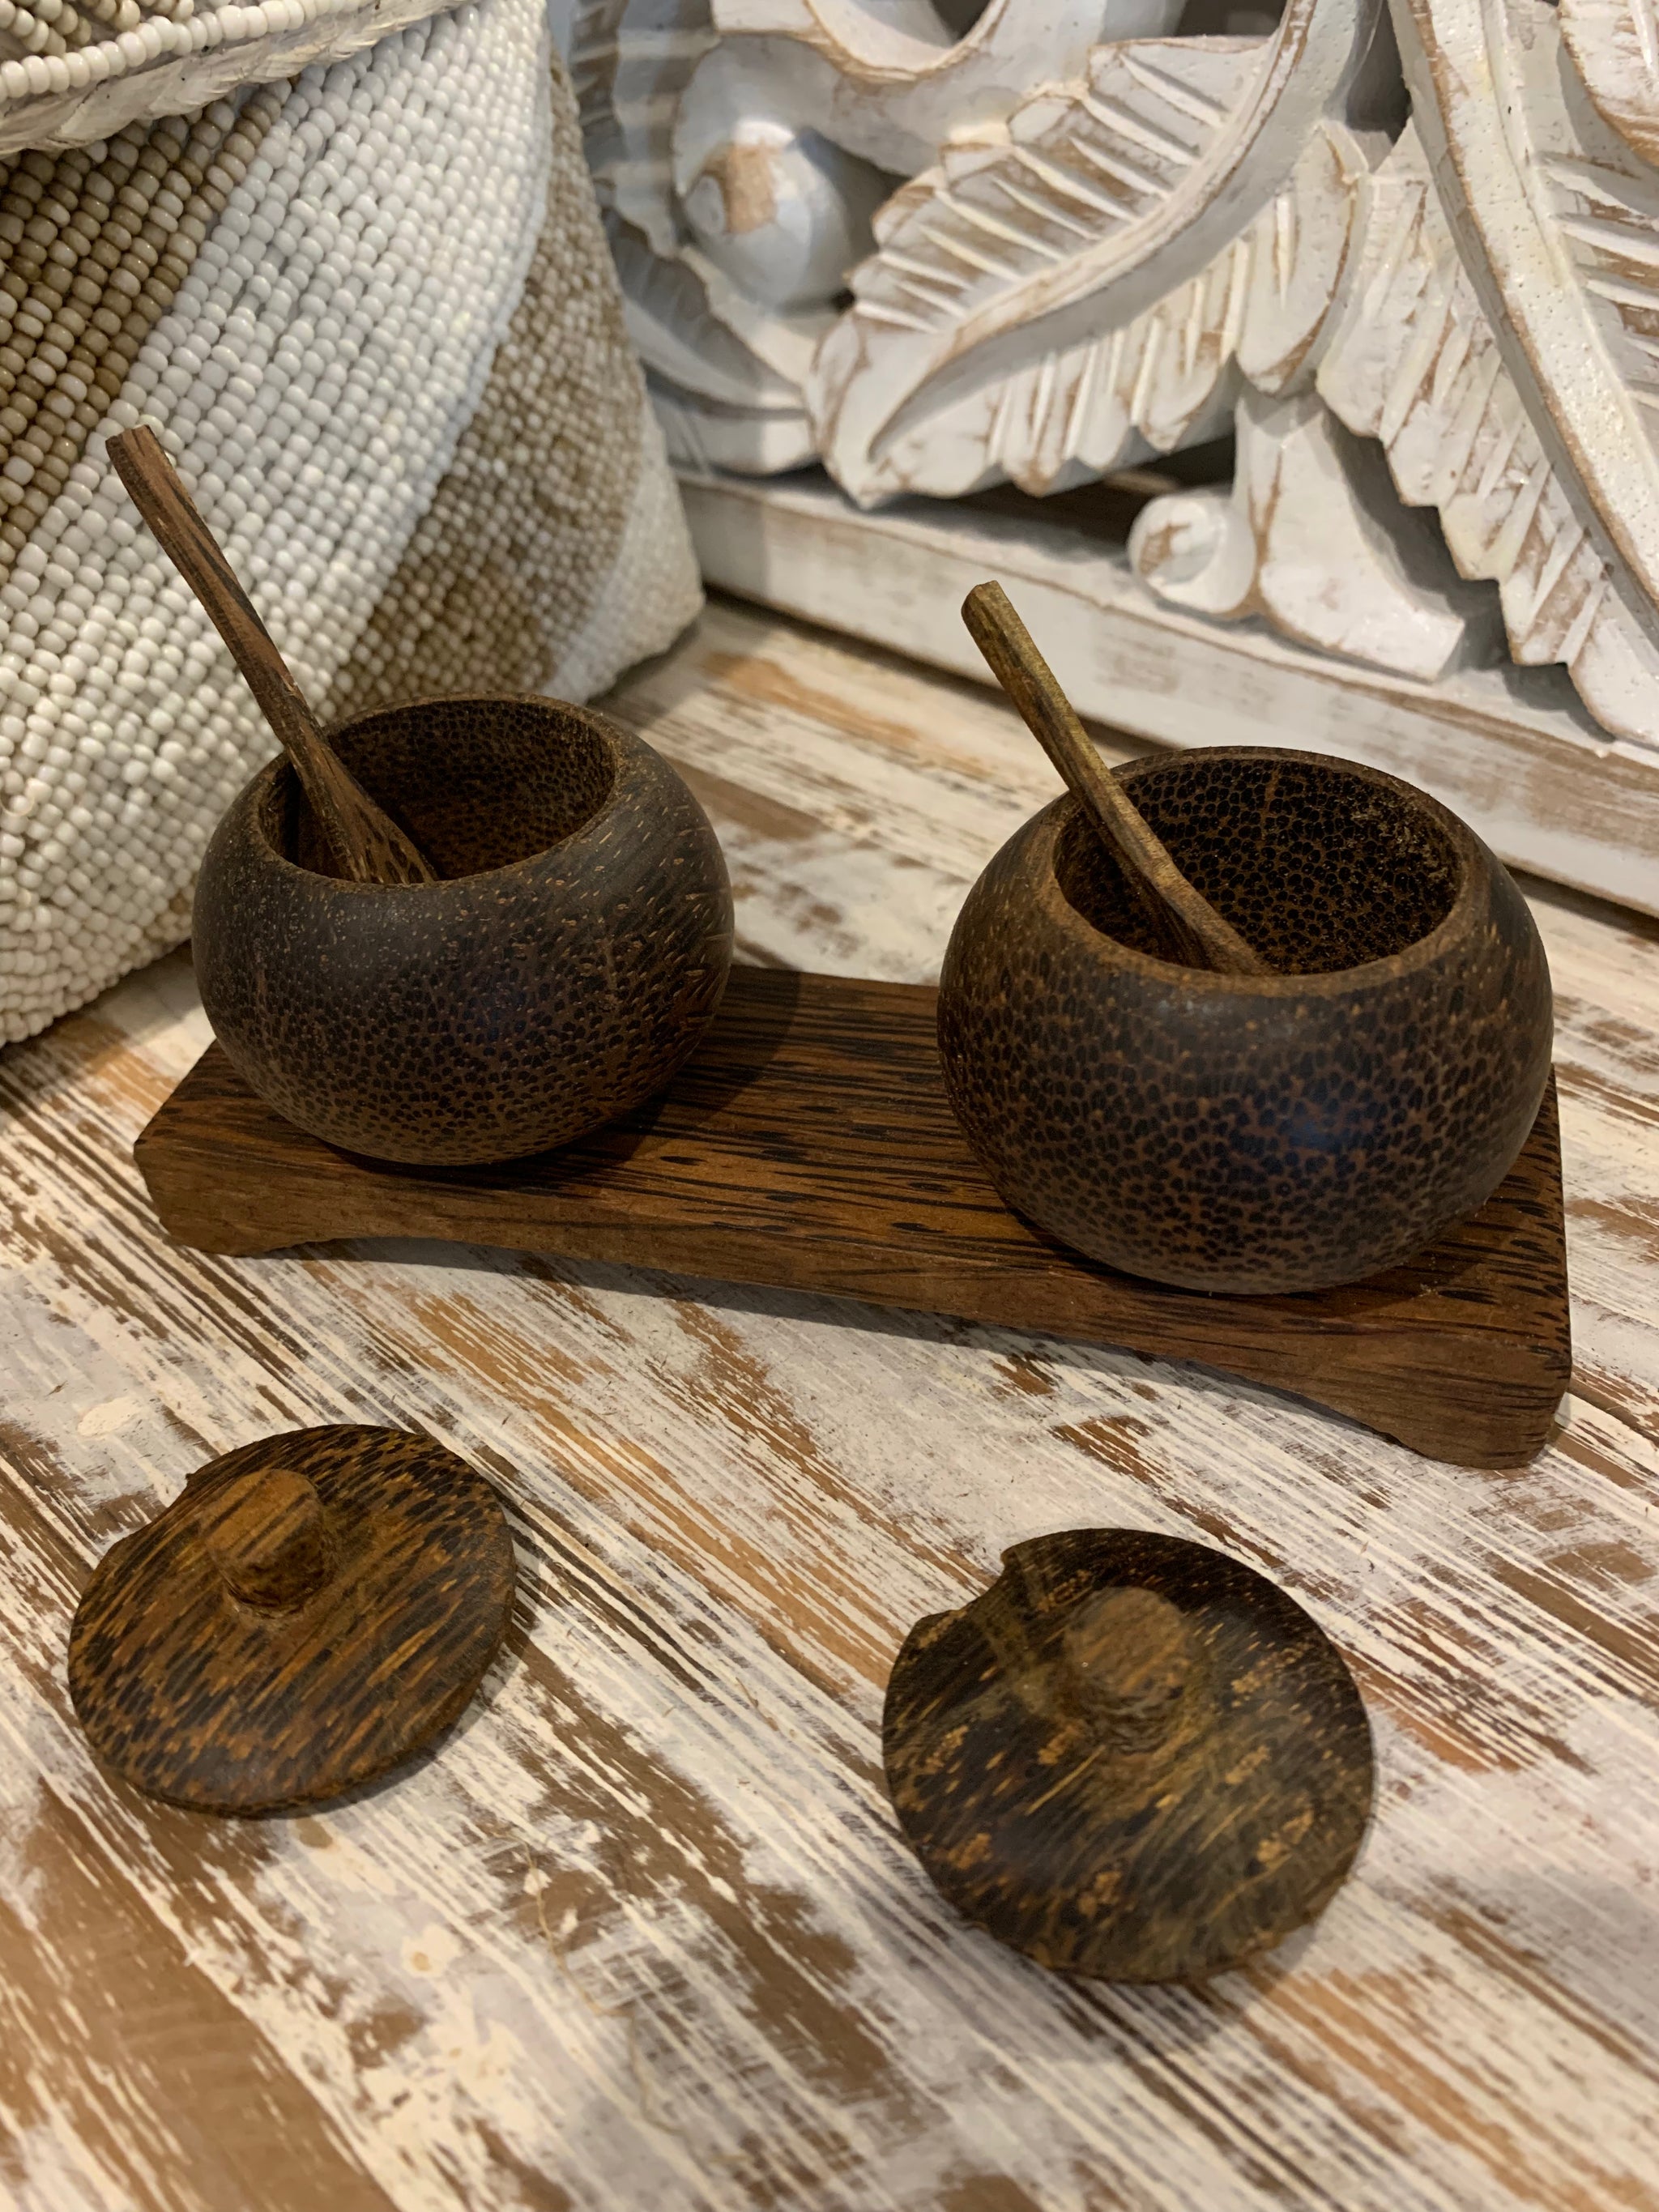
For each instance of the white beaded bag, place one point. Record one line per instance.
(369, 309)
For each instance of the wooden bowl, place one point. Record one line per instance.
(568, 962)
(1238, 1132)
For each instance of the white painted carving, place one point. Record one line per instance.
(1058, 238)
(969, 354)
(1614, 45)
(887, 80)
(1311, 537)
(1420, 367)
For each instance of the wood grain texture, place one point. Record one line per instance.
(1282, 1132)
(314, 1610)
(1180, 918)
(559, 972)
(369, 846)
(1132, 1757)
(650, 1933)
(809, 1146)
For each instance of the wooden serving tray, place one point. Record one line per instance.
(809, 1146)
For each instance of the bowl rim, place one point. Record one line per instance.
(622, 745)
(1044, 827)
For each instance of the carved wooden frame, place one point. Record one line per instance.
(1410, 258)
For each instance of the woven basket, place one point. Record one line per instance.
(370, 310)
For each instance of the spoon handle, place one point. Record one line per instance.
(1182, 915)
(368, 845)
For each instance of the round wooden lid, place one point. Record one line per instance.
(1131, 1758)
(309, 1612)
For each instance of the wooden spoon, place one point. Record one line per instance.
(1182, 918)
(368, 845)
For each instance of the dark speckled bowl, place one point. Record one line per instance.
(568, 963)
(1249, 1133)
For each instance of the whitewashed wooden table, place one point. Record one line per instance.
(643, 1933)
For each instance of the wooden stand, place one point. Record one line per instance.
(809, 1146)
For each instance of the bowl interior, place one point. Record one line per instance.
(478, 783)
(1318, 867)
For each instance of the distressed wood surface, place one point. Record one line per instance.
(643, 1929)
(1131, 1758)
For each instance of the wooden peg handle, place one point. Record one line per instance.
(1183, 919)
(268, 1540)
(368, 845)
(1125, 1662)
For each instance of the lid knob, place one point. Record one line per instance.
(269, 1541)
(1126, 1660)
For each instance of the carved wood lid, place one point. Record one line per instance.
(1131, 1756)
(310, 1611)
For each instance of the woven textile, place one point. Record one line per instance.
(371, 313)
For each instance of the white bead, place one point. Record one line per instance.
(310, 378)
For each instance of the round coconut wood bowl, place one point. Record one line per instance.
(1250, 1134)
(567, 961)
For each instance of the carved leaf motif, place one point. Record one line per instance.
(1417, 366)
(980, 254)
(1614, 45)
(720, 404)
(884, 79)
(1165, 377)
(724, 371)
(1607, 220)
(1088, 259)
(1559, 223)
(680, 339)
(1055, 212)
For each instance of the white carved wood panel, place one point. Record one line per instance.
(939, 251)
